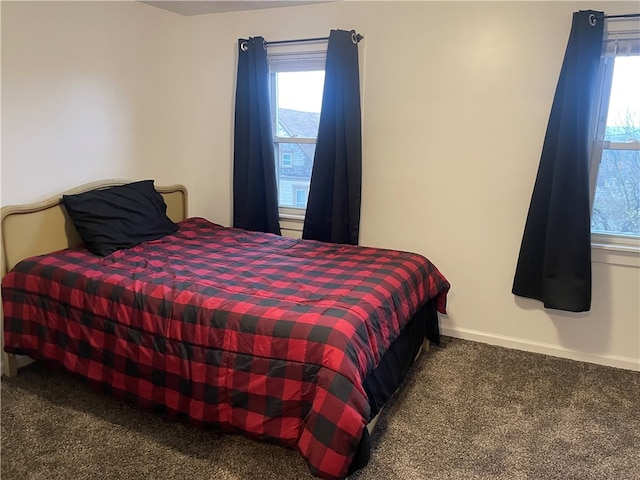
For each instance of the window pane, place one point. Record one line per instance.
(298, 102)
(286, 159)
(301, 197)
(296, 177)
(616, 207)
(623, 119)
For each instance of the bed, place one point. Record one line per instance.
(289, 341)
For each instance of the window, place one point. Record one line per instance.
(615, 153)
(301, 197)
(296, 83)
(286, 160)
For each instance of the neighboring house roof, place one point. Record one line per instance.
(297, 123)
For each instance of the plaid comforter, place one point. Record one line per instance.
(242, 331)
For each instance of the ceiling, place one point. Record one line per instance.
(203, 7)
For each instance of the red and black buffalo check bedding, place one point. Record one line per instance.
(236, 330)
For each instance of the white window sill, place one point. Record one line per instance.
(291, 224)
(292, 217)
(615, 250)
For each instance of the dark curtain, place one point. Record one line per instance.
(554, 264)
(333, 207)
(255, 191)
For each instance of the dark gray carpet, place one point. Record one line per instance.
(468, 411)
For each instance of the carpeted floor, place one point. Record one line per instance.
(468, 411)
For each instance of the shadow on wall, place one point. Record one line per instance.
(570, 325)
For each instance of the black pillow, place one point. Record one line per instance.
(119, 217)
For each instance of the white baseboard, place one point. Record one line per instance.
(628, 363)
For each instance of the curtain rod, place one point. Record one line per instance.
(355, 37)
(626, 15)
(302, 40)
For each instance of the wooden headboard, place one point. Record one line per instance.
(44, 227)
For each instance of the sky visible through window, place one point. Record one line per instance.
(301, 91)
(624, 103)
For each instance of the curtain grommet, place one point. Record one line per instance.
(592, 20)
(244, 47)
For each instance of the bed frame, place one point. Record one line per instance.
(44, 227)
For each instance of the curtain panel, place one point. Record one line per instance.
(333, 206)
(554, 264)
(255, 191)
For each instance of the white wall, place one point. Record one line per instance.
(91, 90)
(455, 104)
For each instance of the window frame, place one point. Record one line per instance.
(295, 57)
(610, 243)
